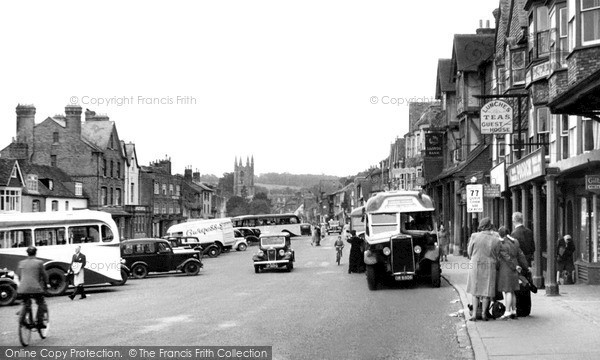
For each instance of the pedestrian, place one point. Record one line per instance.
(33, 281)
(481, 280)
(565, 268)
(77, 270)
(356, 260)
(511, 260)
(524, 235)
(443, 242)
(318, 236)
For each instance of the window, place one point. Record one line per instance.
(132, 192)
(558, 38)
(178, 190)
(571, 16)
(118, 197)
(118, 169)
(518, 67)
(50, 236)
(501, 80)
(112, 168)
(518, 144)
(84, 234)
(35, 206)
(78, 189)
(171, 190)
(66, 205)
(501, 148)
(54, 205)
(156, 209)
(103, 196)
(53, 160)
(156, 188)
(32, 182)
(164, 189)
(587, 135)
(543, 119)
(10, 200)
(111, 198)
(542, 37)
(103, 167)
(590, 22)
(55, 137)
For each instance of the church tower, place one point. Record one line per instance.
(243, 177)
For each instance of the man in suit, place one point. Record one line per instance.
(77, 265)
(33, 281)
(524, 235)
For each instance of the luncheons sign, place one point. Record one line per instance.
(496, 118)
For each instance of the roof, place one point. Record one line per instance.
(6, 166)
(97, 133)
(471, 50)
(444, 81)
(432, 116)
(502, 25)
(59, 179)
(128, 151)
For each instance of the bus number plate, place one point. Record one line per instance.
(403, 277)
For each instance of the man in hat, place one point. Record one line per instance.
(33, 281)
(524, 236)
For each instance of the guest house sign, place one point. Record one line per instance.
(496, 118)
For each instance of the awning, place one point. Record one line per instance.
(583, 99)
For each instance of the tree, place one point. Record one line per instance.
(237, 206)
(226, 184)
(261, 196)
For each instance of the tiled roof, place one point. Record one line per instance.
(63, 184)
(470, 50)
(445, 81)
(97, 133)
(6, 167)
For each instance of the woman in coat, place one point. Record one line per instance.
(356, 263)
(564, 257)
(510, 262)
(481, 281)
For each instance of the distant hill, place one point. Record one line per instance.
(291, 180)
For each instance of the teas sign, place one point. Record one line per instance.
(474, 198)
(496, 118)
(592, 183)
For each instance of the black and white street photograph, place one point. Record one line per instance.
(287, 180)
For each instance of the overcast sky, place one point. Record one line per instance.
(203, 82)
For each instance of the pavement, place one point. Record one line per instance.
(559, 327)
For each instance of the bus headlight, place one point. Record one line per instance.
(387, 251)
(417, 249)
(281, 252)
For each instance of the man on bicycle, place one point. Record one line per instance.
(32, 284)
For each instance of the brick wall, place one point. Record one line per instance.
(557, 83)
(582, 63)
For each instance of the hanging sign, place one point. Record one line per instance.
(496, 118)
(475, 198)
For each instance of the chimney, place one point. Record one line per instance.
(487, 24)
(496, 14)
(25, 124)
(196, 176)
(187, 175)
(73, 119)
(89, 115)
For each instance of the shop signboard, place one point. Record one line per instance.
(526, 169)
(491, 191)
(474, 198)
(592, 183)
(433, 144)
(496, 118)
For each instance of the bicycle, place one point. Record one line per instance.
(27, 325)
(338, 256)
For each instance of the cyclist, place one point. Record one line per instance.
(33, 281)
(339, 245)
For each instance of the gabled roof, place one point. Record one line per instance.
(444, 81)
(471, 50)
(59, 179)
(129, 151)
(97, 133)
(6, 168)
(432, 116)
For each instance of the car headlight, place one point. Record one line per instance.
(11, 274)
(123, 261)
(261, 253)
(418, 249)
(196, 256)
(386, 251)
(281, 252)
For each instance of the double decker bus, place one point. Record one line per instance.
(56, 234)
(273, 223)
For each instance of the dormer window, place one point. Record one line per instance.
(32, 182)
(50, 184)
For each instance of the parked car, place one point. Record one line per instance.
(334, 227)
(192, 242)
(275, 252)
(240, 241)
(8, 287)
(252, 235)
(143, 256)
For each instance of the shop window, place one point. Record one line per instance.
(590, 22)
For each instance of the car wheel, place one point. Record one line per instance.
(8, 294)
(256, 269)
(242, 247)
(124, 276)
(191, 268)
(213, 251)
(290, 266)
(371, 277)
(435, 275)
(139, 271)
(58, 281)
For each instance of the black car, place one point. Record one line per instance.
(275, 252)
(156, 255)
(252, 235)
(191, 242)
(8, 287)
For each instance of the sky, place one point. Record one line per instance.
(306, 87)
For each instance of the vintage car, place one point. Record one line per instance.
(252, 235)
(401, 238)
(275, 252)
(191, 242)
(333, 226)
(240, 241)
(8, 287)
(143, 256)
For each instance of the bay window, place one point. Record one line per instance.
(559, 47)
(517, 63)
(10, 200)
(590, 22)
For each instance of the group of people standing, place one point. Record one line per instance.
(497, 258)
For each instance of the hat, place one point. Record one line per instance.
(568, 237)
(485, 224)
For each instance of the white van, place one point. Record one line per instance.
(212, 231)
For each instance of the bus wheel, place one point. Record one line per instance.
(57, 281)
(124, 276)
(191, 268)
(139, 271)
(371, 277)
(8, 294)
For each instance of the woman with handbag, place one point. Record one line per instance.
(77, 265)
(510, 262)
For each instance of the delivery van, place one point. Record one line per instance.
(211, 231)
